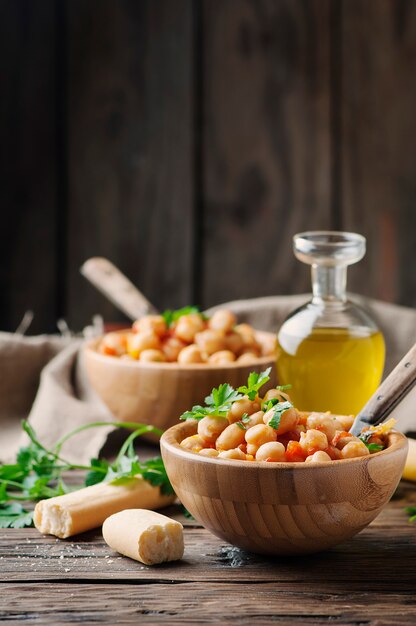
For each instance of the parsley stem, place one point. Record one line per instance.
(130, 439)
(127, 425)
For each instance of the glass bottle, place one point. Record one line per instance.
(330, 350)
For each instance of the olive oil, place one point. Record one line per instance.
(331, 369)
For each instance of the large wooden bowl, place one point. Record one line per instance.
(282, 508)
(158, 393)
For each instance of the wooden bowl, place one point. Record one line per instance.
(158, 393)
(282, 508)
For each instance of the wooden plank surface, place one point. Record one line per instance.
(28, 164)
(367, 580)
(266, 159)
(130, 148)
(377, 103)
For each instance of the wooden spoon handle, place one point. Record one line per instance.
(390, 393)
(116, 287)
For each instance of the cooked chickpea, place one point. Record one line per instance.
(235, 453)
(342, 438)
(190, 354)
(137, 342)
(222, 320)
(248, 357)
(188, 326)
(234, 342)
(313, 440)
(171, 348)
(211, 426)
(257, 436)
(353, 449)
(268, 344)
(210, 341)
(320, 421)
(114, 344)
(276, 393)
(223, 356)
(318, 457)
(254, 419)
(346, 421)
(155, 356)
(152, 323)
(194, 443)
(208, 452)
(239, 407)
(288, 420)
(271, 451)
(246, 332)
(231, 437)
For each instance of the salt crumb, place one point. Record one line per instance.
(67, 569)
(110, 561)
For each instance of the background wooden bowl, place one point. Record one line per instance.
(282, 508)
(158, 393)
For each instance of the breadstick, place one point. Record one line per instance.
(145, 536)
(76, 512)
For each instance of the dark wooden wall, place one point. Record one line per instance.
(188, 141)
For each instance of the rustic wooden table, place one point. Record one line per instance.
(371, 579)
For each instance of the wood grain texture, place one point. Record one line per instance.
(48, 581)
(130, 148)
(266, 143)
(282, 508)
(377, 102)
(158, 393)
(28, 164)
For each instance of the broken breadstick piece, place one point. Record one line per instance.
(145, 536)
(87, 508)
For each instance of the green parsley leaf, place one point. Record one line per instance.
(222, 397)
(99, 469)
(374, 447)
(172, 316)
(254, 383)
(15, 516)
(411, 511)
(241, 425)
(279, 409)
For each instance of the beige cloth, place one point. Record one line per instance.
(42, 378)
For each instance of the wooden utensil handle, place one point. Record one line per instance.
(392, 391)
(116, 287)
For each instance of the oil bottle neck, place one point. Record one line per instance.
(329, 284)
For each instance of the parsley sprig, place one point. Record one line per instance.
(172, 316)
(254, 383)
(278, 409)
(217, 403)
(38, 471)
(365, 437)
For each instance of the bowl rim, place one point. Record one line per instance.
(170, 442)
(90, 347)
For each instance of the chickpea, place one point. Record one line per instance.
(223, 356)
(276, 393)
(313, 440)
(223, 321)
(231, 437)
(346, 421)
(288, 420)
(208, 452)
(210, 341)
(239, 407)
(268, 344)
(248, 357)
(114, 344)
(353, 449)
(155, 356)
(194, 443)
(272, 450)
(146, 340)
(188, 326)
(318, 457)
(234, 342)
(153, 323)
(171, 348)
(328, 424)
(211, 426)
(257, 436)
(235, 454)
(254, 419)
(190, 354)
(341, 439)
(246, 332)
